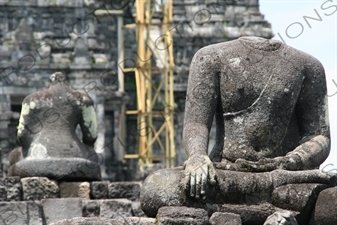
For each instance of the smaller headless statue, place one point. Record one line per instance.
(46, 132)
(269, 102)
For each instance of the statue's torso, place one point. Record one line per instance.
(259, 91)
(51, 127)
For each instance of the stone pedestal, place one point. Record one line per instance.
(325, 208)
(58, 169)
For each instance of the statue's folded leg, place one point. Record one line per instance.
(168, 187)
(163, 188)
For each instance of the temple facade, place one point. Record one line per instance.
(80, 39)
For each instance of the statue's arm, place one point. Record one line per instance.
(200, 107)
(88, 121)
(201, 101)
(312, 114)
(25, 136)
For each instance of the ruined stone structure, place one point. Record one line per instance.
(41, 201)
(272, 133)
(49, 146)
(40, 37)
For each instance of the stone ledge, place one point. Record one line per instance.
(10, 189)
(129, 190)
(39, 200)
(218, 218)
(37, 188)
(43, 3)
(181, 215)
(325, 208)
(52, 210)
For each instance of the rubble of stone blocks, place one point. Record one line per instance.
(41, 201)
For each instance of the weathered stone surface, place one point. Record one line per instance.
(219, 218)
(10, 189)
(34, 213)
(59, 209)
(137, 210)
(87, 221)
(14, 213)
(298, 197)
(19, 213)
(181, 215)
(325, 208)
(159, 187)
(129, 190)
(168, 187)
(281, 217)
(259, 90)
(75, 190)
(115, 208)
(184, 40)
(99, 189)
(62, 169)
(139, 221)
(81, 54)
(91, 208)
(249, 214)
(46, 132)
(3, 194)
(36, 188)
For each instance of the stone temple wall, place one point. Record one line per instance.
(40, 37)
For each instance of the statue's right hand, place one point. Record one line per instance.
(200, 171)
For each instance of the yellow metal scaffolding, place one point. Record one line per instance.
(148, 93)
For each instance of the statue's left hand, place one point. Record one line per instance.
(266, 164)
(200, 171)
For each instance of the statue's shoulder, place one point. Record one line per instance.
(37, 96)
(82, 98)
(302, 58)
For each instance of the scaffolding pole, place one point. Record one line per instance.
(150, 94)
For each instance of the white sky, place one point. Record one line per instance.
(320, 41)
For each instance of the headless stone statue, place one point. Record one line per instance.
(46, 132)
(269, 102)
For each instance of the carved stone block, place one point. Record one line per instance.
(137, 210)
(181, 215)
(75, 190)
(91, 208)
(18, 213)
(139, 221)
(99, 189)
(219, 218)
(14, 213)
(115, 208)
(298, 197)
(10, 189)
(58, 209)
(87, 221)
(36, 188)
(129, 190)
(325, 209)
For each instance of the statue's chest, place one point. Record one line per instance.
(272, 82)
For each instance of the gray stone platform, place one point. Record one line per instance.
(40, 201)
